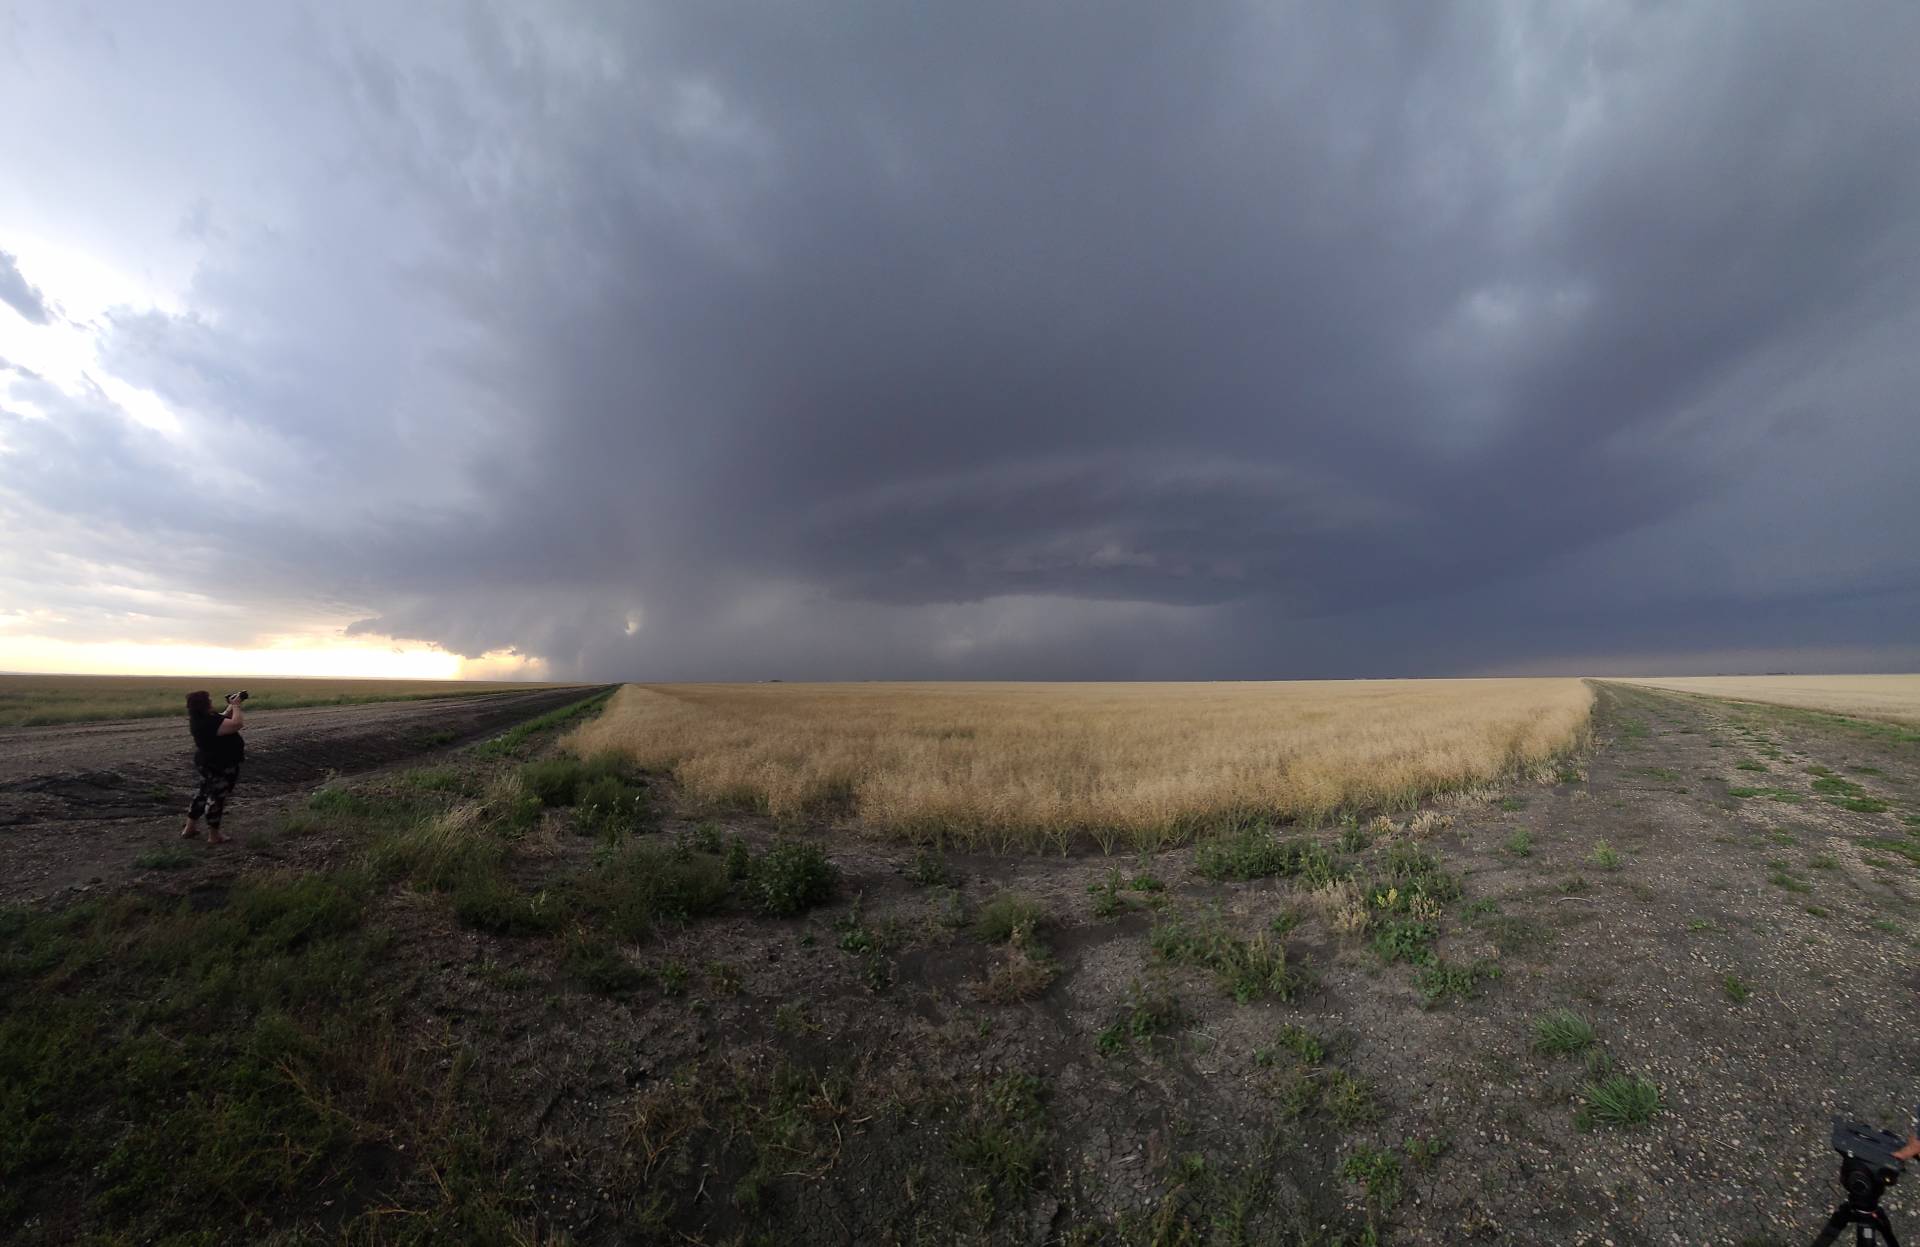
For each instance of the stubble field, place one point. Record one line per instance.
(1887, 698)
(1126, 764)
(43, 700)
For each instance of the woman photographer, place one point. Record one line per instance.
(217, 754)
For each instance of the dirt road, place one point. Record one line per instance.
(78, 802)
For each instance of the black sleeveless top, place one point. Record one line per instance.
(210, 748)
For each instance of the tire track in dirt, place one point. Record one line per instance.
(79, 801)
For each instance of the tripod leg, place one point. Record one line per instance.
(1881, 1222)
(1841, 1216)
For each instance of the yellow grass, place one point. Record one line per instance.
(36, 700)
(1889, 698)
(1143, 763)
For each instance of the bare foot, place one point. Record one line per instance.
(214, 837)
(191, 830)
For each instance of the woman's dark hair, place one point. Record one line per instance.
(200, 702)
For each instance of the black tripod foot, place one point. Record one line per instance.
(1870, 1227)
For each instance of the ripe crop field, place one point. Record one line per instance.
(1137, 763)
(40, 700)
(1889, 698)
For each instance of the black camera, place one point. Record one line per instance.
(1867, 1162)
(239, 696)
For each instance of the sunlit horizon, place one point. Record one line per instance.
(281, 657)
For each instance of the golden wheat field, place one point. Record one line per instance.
(1139, 763)
(1890, 698)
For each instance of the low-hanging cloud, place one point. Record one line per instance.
(699, 341)
(20, 294)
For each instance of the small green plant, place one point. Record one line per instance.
(1574, 885)
(1439, 981)
(1107, 901)
(1751, 765)
(790, 878)
(1737, 991)
(1781, 879)
(1378, 1171)
(929, 869)
(1519, 844)
(1405, 940)
(1822, 861)
(1004, 1137)
(736, 859)
(1701, 924)
(1604, 856)
(1861, 805)
(673, 976)
(1619, 1100)
(1303, 1043)
(706, 838)
(1146, 881)
(1561, 1033)
(1423, 1152)
(1511, 804)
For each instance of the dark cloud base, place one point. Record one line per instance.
(1077, 341)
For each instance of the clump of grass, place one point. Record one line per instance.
(596, 964)
(1751, 765)
(555, 781)
(1011, 918)
(1861, 805)
(486, 901)
(1574, 885)
(1604, 856)
(1378, 1171)
(170, 857)
(1781, 879)
(1823, 861)
(1619, 1100)
(1561, 1033)
(1737, 991)
(1025, 974)
(1519, 844)
(1148, 1014)
(613, 808)
(636, 887)
(790, 878)
(1107, 901)
(1438, 981)
(1256, 853)
(1246, 969)
(1004, 1137)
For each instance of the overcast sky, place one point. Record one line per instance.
(694, 341)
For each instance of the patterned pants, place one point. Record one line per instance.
(216, 785)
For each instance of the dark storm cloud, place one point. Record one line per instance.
(20, 294)
(1075, 339)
